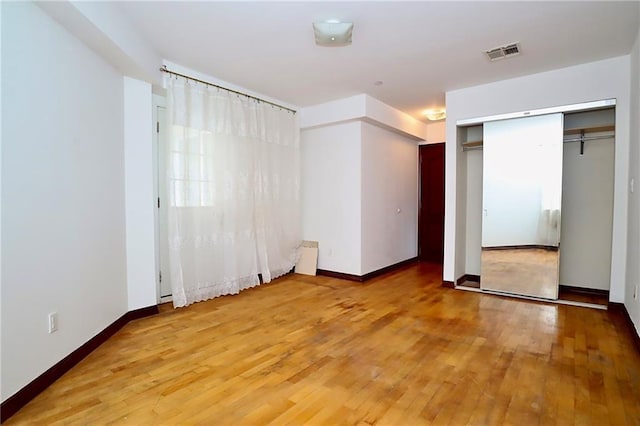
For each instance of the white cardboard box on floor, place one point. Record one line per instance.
(308, 262)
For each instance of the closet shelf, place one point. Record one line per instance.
(595, 129)
(577, 131)
(472, 144)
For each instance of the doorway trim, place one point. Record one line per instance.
(158, 102)
(420, 254)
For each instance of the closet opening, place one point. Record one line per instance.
(583, 218)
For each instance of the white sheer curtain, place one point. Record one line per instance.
(233, 184)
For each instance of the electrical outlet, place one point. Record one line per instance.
(53, 322)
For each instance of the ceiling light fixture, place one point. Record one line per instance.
(435, 114)
(333, 33)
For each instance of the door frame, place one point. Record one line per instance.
(158, 101)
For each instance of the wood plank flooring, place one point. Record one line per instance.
(397, 350)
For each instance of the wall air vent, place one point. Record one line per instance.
(503, 51)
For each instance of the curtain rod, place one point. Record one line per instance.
(164, 69)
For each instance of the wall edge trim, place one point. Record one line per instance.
(390, 268)
(15, 402)
(619, 310)
(468, 277)
(584, 290)
(339, 275)
(370, 275)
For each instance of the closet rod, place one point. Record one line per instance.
(164, 69)
(588, 138)
(585, 139)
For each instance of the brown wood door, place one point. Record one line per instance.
(431, 212)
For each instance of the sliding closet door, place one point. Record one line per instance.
(522, 188)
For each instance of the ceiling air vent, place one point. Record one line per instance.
(503, 51)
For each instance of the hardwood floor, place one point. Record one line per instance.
(397, 350)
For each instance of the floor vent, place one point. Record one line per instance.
(502, 52)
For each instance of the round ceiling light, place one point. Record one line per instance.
(332, 33)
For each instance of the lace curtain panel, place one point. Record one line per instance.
(234, 191)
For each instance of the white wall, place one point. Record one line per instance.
(105, 29)
(139, 194)
(364, 108)
(359, 166)
(437, 132)
(63, 239)
(389, 198)
(633, 244)
(593, 81)
(341, 110)
(331, 194)
(394, 120)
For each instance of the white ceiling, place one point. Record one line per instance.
(419, 50)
